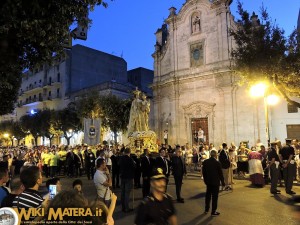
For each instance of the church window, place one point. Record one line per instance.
(196, 54)
(292, 108)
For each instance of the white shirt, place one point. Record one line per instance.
(207, 153)
(166, 135)
(200, 134)
(99, 179)
(108, 154)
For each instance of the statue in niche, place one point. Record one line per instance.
(196, 24)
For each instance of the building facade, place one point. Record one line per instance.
(142, 78)
(194, 87)
(81, 71)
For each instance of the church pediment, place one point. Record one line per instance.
(199, 109)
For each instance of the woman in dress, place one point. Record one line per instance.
(195, 158)
(233, 164)
(242, 160)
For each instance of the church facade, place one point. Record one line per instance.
(193, 85)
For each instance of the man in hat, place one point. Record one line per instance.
(158, 207)
(286, 156)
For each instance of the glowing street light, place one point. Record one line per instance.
(272, 99)
(6, 135)
(70, 130)
(258, 90)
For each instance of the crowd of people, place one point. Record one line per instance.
(112, 167)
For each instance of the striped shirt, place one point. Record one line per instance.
(28, 199)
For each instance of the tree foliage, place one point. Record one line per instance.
(113, 111)
(31, 34)
(13, 129)
(89, 106)
(68, 122)
(50, 124)
(32, 124)
(263, 53)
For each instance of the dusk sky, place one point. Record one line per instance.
(126, 28)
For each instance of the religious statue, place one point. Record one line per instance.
(139, 113)
(196, 26)
(145, 113)
(139, 134)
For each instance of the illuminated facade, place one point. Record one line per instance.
(193, 86)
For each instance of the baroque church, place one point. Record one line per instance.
(194, 87)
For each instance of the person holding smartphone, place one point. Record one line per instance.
(102, 181)
(53, 186)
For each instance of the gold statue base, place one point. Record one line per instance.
(140, 140)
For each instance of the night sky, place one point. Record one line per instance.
(126, 28)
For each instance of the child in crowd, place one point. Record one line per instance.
(77, 186)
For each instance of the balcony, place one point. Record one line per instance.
(32, 88)
(31, 102)
(52, 97)
(54, 82)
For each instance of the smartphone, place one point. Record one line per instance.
(52, 191)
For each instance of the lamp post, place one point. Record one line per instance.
(261, 90)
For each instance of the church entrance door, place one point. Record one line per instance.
(196, 123)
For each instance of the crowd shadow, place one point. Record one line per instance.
(198, 220)
(197, 196)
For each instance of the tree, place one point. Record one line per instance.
(32, 124)
(31, 34)
(89, 106)
(18, 132)
(69, 123)
(49, 124)
(115, 113)
(13, 129)
(263, 53)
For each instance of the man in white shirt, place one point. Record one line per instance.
(102, 181)
(200, 135)
(108, 153)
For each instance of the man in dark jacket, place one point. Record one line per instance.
(225, 164)
(162, 162)
(138, 170)
(212, 174)
(89, 162)
(127, 167)
(146, 167)
(115, 168)
(71, 160)
(179, 170)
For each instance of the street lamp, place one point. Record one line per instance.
(6, 135)
(261, 90)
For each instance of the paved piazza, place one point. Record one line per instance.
(244, 205)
